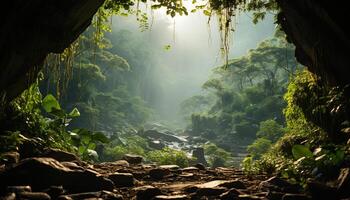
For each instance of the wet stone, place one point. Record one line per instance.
(147, 192)
(122, 179)
(133, 159)
(158, 173)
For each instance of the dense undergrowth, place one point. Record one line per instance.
(308, 149)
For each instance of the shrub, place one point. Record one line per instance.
(168, 156)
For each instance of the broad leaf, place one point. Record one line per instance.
(49, 103)
(74, 113)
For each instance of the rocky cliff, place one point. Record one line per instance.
(32, 29)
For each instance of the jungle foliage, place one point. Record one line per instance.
(244, 101)
(310, 148)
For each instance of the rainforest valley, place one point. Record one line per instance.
(175, 100)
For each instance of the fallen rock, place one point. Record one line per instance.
(72, 165)
(122, 179)
(33, 195)
(146, 192)
(60, 155)
(158, 173)
(41, 173)
(133, 159)
(198, 153)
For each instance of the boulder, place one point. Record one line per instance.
(60, 155)
(198, 153)
(122, 179)
(158, 173)
(41, 173)
(133, 159)
(146, 192)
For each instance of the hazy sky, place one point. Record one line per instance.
(195, 50)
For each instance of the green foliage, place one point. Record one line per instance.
(259, 147)
(126, 144)
(270, 130)
(300, 151)
(218, 157)
(168, 156)
(86, 142)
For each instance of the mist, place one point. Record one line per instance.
(178, 72)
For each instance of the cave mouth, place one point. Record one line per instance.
(112, 101)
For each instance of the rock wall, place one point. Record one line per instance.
(318, 30)
(32, 29)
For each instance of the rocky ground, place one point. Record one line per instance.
(60, 175)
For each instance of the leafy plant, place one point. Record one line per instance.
(86, 142)
(168, 156)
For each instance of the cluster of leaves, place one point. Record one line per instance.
(218, 157)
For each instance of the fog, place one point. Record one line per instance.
(179, 72)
